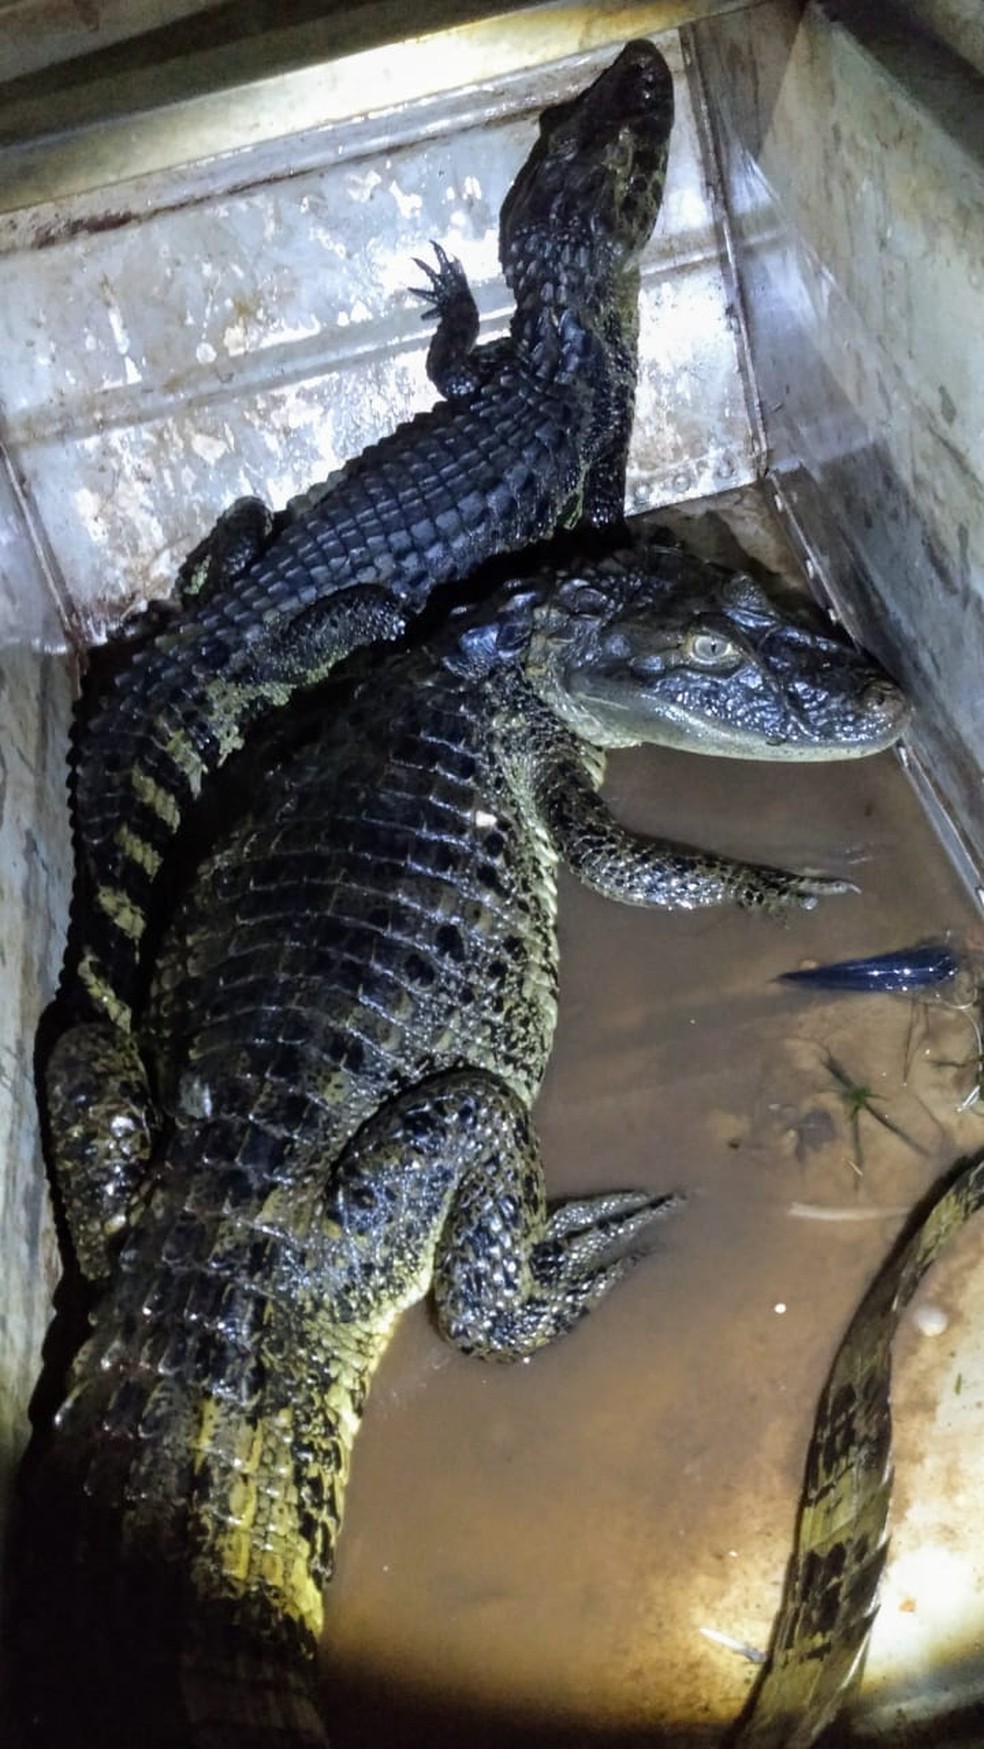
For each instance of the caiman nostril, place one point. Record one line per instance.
(883, 694)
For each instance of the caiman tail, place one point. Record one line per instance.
(829, 1604)
(242, 1696)
(191, 1493)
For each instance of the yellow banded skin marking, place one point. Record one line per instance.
(154, 796)
(253, 1547)
(228, 701)
(238, 1550)
(138, 850)
(120, 909)
(179, 750)
(103, 995)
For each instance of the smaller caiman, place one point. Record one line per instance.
(350, 1021)
(531, 434)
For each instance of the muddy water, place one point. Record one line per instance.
(530, 1554)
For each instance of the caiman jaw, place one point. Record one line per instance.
(683, 654)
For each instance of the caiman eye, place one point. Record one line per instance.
(711, 650)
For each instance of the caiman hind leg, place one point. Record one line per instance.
(446, 1183)
(240, 535)
(442, 1185)
(101, 1118)
(508, 1275)
(455, 367)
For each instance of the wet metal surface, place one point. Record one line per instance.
(34, 878)
(268, 75)
(32, 613)
(40, 33)
(853, 155)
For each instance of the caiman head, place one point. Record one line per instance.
(586, 200)
(656, 645)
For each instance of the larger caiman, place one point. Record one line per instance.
(349, 1024)
(532, 434)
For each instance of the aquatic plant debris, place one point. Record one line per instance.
(858, 1097)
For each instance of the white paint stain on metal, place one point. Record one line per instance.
(361, 185)
(408, 205)
(209, 448)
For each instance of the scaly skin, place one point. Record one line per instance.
(349, 1025)
(829, 1604)
(533, 434)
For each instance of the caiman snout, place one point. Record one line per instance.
(882, 698)
(652, 79)
(856, 715)
(883, 694)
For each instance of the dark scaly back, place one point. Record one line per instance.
(539, 442)
(406, 938)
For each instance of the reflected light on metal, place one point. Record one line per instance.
(113, 148)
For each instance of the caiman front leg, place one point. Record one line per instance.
(637, 870)
(458, 368)
(455, 365)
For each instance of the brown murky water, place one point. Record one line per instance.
(530, 1554)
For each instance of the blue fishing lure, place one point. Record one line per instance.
(908, 968)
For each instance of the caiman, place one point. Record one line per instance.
(531, 434)
(349, 1023)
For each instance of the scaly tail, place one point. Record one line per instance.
(829, 1605)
